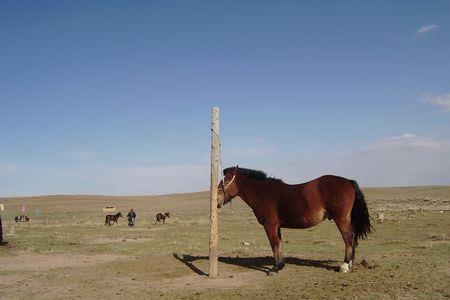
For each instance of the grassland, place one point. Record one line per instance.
(68, 253)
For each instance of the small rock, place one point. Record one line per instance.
(365, 264)
(245, 243)
(380, 217)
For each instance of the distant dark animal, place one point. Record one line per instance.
(111, 219)
(22, 218)
(279, 205)
(162, 217)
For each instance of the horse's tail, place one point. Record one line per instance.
(360, 215)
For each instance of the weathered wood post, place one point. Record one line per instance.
(1, 230)
(2, 208)
(214, 239)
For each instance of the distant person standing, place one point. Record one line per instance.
(131, 218)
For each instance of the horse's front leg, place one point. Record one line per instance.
(274, 234)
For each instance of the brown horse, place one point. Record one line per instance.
(112, 218)
(162, 217)
(279, 205)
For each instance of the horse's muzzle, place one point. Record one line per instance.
(220, 198)
(220, 202)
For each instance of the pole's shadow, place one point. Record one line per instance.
(262, 264)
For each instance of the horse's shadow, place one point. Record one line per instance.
(262, 264)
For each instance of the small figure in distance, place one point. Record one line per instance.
(131, 218)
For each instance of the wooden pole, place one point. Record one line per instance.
(214, 239)
(1, 230)
(2, 242)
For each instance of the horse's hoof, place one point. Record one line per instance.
(272, 273)
(344, 268)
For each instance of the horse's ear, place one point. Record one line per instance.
(236, 170)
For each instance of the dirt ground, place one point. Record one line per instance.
(67, 253)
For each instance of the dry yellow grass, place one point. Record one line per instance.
(75, 256)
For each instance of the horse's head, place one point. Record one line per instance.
(167, 214)
(119, 214)
(228, 188)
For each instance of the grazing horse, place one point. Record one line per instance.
(279, 205)
(112, 218)
(162, 217)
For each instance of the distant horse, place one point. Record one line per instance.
(162, 217)
(112, 218)
(279, 205)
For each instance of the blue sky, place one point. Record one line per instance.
(114, 97)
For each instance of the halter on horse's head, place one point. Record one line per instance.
(228, 188)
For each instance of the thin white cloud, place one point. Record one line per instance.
(81, 155)
(441, 101)
(406, 159)
(158, 179)
(421, 31)
(9, 168)
(406, 140)
(111, 180)
(250, 148)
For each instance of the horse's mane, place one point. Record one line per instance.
(254, 174)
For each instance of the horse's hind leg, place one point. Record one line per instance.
(274, 235)
(355, 243)
(346, 230)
